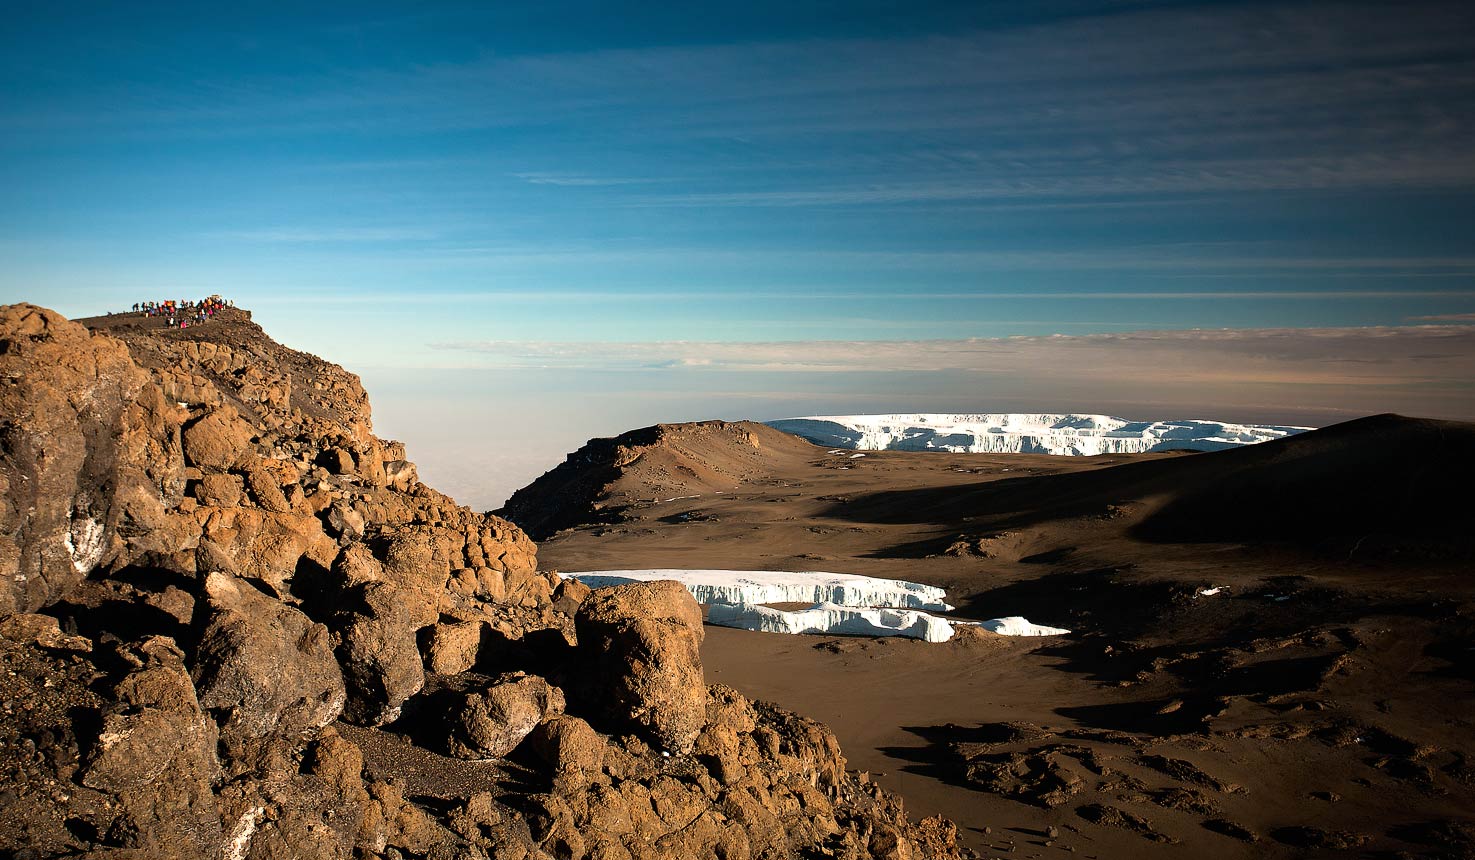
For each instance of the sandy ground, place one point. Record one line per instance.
(1320, 706)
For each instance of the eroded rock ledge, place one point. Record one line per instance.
(234, 624)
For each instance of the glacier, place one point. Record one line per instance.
(1065, 434)
(828, 618)
(856, 605)
(781, 586)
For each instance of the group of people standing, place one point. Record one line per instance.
(184, 313)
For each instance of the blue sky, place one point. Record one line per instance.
(397, 186)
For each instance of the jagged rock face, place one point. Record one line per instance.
(642, 642)
(89, 456)
(209, 558)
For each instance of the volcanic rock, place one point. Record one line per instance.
(454, 647)
(155, 755)
(493, 722)
(642, 643)
(569, 745)
(265, 668)
(218, 441)
(379, 654)
(88, 445)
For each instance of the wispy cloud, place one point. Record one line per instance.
(1207, 97)
(326, 235)
(1267, 373)
(571, 180)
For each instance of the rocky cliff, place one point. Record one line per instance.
(233, 624)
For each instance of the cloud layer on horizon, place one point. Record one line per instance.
(1425, 369)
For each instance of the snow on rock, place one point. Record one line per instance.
(1064, 434)
(779, 586)
(849, 604)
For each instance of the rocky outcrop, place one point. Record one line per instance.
(89, 457)
(233, 624)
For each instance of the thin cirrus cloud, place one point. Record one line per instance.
(1127, 84)
(327, 235)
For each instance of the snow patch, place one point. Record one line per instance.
(84, 542)
(1064, 434)
(1015, 625)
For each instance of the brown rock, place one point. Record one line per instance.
(344, 521)
(454, 646)
(219, 441)
(337, 461)
(264, 668)
(41, 630)
(569, 745)
(220, 489)
(641, 645)
(356, 565)
(88, 443)
(401, 475)
(493, 722)
(378, 651)
(569, 594)
(266, 492)
(155, 754)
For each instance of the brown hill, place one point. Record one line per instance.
(606, 478)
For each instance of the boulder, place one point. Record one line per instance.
(379, 655)
(569, 594)
(266, 491)
(640, 646)
(266, 544)
(218, 442)
(263, 668)
(337, 461)
(569, 745)
(493, 722)
(42, 630)
(454, 647)
(356, 565)
(344, 521)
